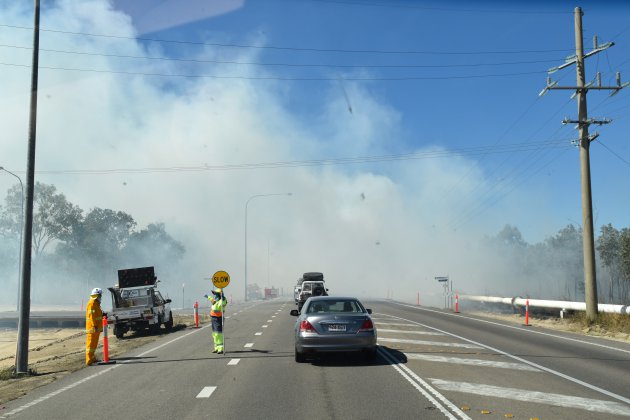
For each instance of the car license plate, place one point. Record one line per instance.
(336, 327)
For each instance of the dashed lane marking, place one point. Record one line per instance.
(249, 345)
(258, 333)
(470, 362)
(265, 326)
(568, 401)
(429, 343)
(206, 392)
(233, 362)
(409, 332)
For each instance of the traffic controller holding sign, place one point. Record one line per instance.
(221, 279)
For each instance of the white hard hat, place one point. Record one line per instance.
(96, 291)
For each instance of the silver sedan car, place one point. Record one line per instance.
(334, 324)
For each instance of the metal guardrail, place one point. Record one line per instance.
(61, 319)
(561, 305)
(57, 319)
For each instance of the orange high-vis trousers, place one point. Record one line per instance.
(91, 343)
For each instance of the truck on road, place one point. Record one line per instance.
(312, 284)
(137, 305)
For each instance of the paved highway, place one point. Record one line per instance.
(431, 365)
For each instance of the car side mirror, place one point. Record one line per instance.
(168, 301)
(295, 312)
(369, 311)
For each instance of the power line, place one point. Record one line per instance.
(615, 154)
(254, 63)
(297, 79)
(439, 9)
(284, 48)
(431, 154)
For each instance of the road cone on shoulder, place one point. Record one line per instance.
(106, 360)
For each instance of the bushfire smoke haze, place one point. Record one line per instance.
(187, 137)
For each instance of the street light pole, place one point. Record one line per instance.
(246, 206)
(21, 235)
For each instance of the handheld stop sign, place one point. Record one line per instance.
(221, 279)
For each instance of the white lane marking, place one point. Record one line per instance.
(227, 317)
(528, 330)
(258, 333)
(233, 362)
(206, 391)
(273, 316)
(424, 388)
(249, 345)
(536, 365)
(393, 324)
(409, 332)
(471, 362)
(599, 406)
(270, 320)
(429, 343)
(265, 326)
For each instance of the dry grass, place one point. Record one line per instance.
(605, 322)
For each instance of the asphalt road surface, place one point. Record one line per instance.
(431, 365)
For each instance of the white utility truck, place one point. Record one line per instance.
(137, 305)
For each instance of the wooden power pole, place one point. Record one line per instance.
(583, 122)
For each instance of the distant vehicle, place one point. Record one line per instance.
(137, 304)
(334, 324)
(312, 284)
(271, 293)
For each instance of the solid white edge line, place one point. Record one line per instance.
(206, 392)
(418, 385)
(520, 359)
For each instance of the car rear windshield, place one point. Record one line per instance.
(326, 306)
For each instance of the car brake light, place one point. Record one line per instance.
(367, 325)
(306, 326)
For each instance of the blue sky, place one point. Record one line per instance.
(426, 115)
(454, 102)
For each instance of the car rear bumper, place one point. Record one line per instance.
(350, 342)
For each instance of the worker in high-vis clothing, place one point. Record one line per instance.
(93, 325)
(218, 304)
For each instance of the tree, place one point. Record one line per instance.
(54, 217)
(624, 241)
(96, 245)
(608, 247)
(153, 246)
(566, 252)
(510, 235)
